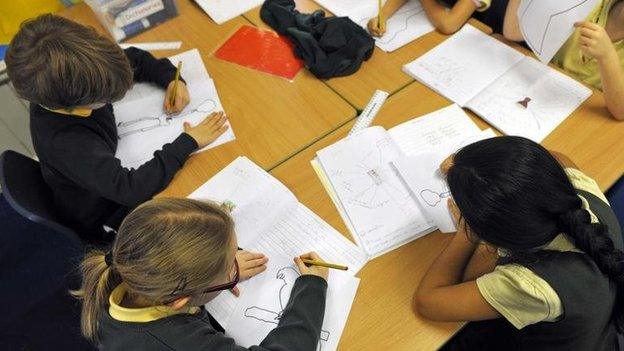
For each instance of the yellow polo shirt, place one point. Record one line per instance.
(518, 294)
(570, 58)
(140, 315)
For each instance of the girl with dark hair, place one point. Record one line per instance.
(537, 257)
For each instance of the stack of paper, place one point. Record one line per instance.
(406, 25)
(143, 127)
(269, 219)
(516, 94)
(376, 206)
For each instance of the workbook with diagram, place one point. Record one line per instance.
(377, 207)
(515, 93)
(268, 218)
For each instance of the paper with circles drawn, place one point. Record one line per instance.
(143, 127)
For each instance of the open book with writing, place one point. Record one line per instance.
(515, 93)
(373, 201)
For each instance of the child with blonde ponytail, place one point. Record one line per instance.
(170, 257)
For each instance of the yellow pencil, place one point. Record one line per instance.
(175, 85)
(380, 19)
(324, 264)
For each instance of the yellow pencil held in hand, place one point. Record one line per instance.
(380, 20)
(175, 85)
(324, 264)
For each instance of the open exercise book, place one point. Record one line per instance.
(407, 24)
(143, 127)
(376, 206)
(515, 93)
(269, 219)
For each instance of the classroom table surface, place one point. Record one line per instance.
(383, 315)
(273, 118)
(382, 71)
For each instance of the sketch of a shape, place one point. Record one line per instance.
(144, 124)
(546, 25)
(287, 276)
(524, 102)
(433, 198)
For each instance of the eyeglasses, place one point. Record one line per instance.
(178, 291)
(226, 286)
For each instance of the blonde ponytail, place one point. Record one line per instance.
(164, 249)
(98, 281)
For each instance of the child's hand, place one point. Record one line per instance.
(208, 130)
(373, 27)
(181, 98)
(249, 265)
(322, 272)
(594, 40)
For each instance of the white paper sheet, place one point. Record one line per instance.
(379, 207)
(408, 24)
(260, 200)
(463, 65)
(224, 10)
(259, 312)
(430, 132)
(269, 219)
(546, 25)
(530, 100)
(143, 126)
(421, 174)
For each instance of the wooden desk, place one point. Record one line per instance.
(272, 118)
(382, 316)
(382, 71)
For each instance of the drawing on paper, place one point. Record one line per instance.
(538, 46)
(524, 102)
(286, 277)
(144, 124)
(367, 186)
(432, 198)
(405, 15)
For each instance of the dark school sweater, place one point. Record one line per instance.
(77, 156)
(298, 330)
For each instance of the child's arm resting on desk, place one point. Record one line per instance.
(449, 21)
(443, 284)
(596, 43)
(94, 167)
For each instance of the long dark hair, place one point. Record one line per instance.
(515, 195)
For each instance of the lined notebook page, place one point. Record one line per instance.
(259, 200)
(463, 65)
(431, 131)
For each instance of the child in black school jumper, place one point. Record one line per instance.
(537, 257)
(449, 20)
(71, 75)
(170, 257)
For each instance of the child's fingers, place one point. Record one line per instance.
(302, 267)
(235, 291)
(250, 272)
(187, 126)
(252, 255)
(256, 262)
